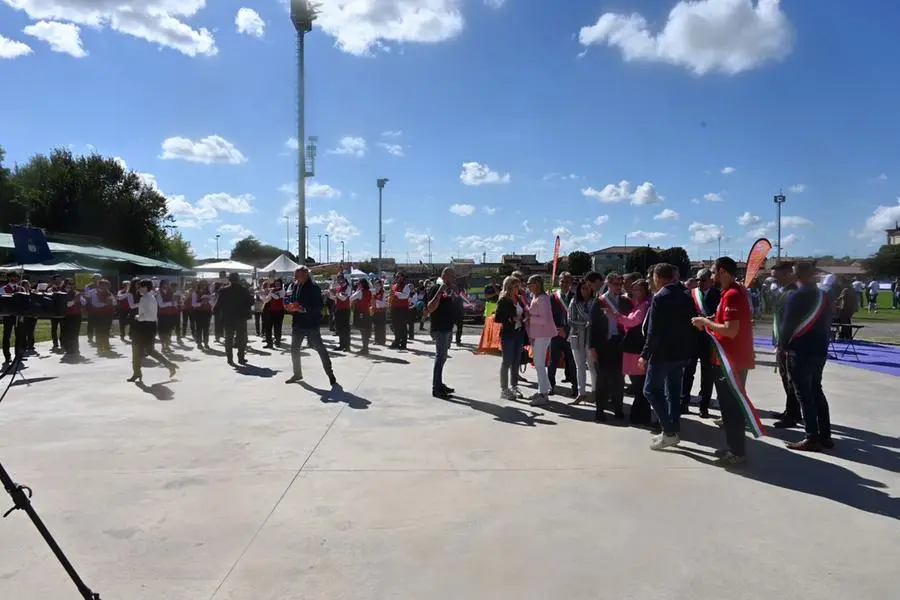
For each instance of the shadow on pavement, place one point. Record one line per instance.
(505, 414)
(338, 394)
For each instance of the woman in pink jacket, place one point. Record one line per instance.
(632, 344)
(541, 329)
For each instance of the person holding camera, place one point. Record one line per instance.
(439, 308)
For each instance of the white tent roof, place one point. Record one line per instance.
(63, 267)
(357, 274)
(282, 264)
(226, 265)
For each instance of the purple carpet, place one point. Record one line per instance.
(882, 358)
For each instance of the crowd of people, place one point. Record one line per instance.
(654, 330)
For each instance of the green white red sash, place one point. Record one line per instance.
(697, 296)
(815, 313)
(561, 297)
(610, 305)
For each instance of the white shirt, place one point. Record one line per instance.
(874, 287)
(148, 308)
(858, 285)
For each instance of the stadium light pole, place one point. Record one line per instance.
(218, 235)
(380, 183)
(320, 248)
(303, 13)
(327, 248)
(779, 200)
(342, 252)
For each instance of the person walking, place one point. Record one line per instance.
(804, 335)
(541, 330)
(783, 275)
(706, 299)
(609, 371)
(510, 315)
(143, 333)
(363, 304)
(732, 327)
(669, 344)
(305, 305)
(235, 302)
(632, 346)
(559, 344)
(579, 321)
(439, 309)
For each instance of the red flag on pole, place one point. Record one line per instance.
(757, 258)
(555, 262)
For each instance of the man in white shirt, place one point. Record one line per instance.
(874, 288)
(859, 287)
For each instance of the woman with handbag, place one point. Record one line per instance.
(579, 329)
(632, 344)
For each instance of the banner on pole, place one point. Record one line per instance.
(555, 262)
(756, 259)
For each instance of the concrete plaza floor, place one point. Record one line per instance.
(226, 484)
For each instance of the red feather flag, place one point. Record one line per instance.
(759, 252)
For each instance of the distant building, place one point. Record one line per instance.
(613, 258)
(519, 259)
(893, 235)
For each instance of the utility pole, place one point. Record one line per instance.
(380, 183)
(327, 248)
(779, 200)
(320, 248)
(429, 250)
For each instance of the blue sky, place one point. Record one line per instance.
(498, 122)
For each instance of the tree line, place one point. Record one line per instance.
(91, 196)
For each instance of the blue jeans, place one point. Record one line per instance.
(441, 348)
(662, 389)
(512, 354)
(806, 376)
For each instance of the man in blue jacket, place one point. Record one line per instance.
(804, 332)
(304, 302)
(669, 344)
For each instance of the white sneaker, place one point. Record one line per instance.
(539, 399)
(663, 441)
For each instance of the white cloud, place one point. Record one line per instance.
(789, 239)
(208, 207)
(419, 241)
(712, 197)
(746, 219)
(561, 177)
(526, 226)
(395, 149)
(12, 48)
(160, 22)
(758, 232)
(249, 22)
(475, 173)
(794, 222)
(388, 221)
(647, 235)
(643, 194)
(495, 3)
(292, 144)
(392, 134)
(728, 170)
(702, 233)
(64, 38)
(337, 226)
(462, 210)
(238, 232)
(601, 220)
(561, 231)
(882, 219)
(703, 36)
(695, 201)
(490, 210)
(321, 190)
(209, 150)
(797, 188)
(361, 26)
(350, 146)
(667, 214)
(222, 202)
(492, 244)
(882, 177)
(569, 242)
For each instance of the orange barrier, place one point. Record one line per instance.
(490, 337)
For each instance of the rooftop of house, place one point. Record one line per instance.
(621, 250)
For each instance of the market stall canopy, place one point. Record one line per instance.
(229, 266)
(63, 267)
(357, 274)
(97, 253)
(282, 264)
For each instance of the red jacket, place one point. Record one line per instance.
(342, 304)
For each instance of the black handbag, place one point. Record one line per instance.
(633, 342)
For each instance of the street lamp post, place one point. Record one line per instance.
(320, 248)
(342, 252)
(779, 200)
(380, 183)
(720, 245)
(327, 248)
(218, 235)
(303, 13)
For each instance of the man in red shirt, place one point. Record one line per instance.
(733, 328)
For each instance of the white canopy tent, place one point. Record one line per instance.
(229, 266)
(63, 267)
(282, 264)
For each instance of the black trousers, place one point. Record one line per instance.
(399, 316)
(165, 326)
(257, 319)
(379, 324)
(29, 324)
(55, 326)
(413, 316)
(273, 321)
(236, 338)
(806, 377)
(187, 322)
(792, 410)
(640, 414)
(102, 329)
(610, 392)
(143, 343)
(560, 347)
(10, 326)
(201, 327)
(707, 374)
(733, 421)
(342, 327)
(91, 325)
(218, 324)
(364, 324)
(69, 331)
(123, 319)
(459, 330)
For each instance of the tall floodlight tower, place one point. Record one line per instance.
(779, 200)
(380, 183)
(303, 13)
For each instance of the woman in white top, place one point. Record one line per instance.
(143, 333)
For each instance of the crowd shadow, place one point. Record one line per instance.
(21, 379)
(179, 358)
(338, 394)
(415, 352)
(160, 391)
(775, 465)
(855, 445)
(256, 351)
(504, 413)
(255, 371)
(212, 352)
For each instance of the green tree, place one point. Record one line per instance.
(179, 250)
(677, 256)
(641, 259)
(504, 270)
(579, 262)
(886, 262)
(89, 196)
(253, 252)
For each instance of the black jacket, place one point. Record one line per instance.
(668, 333)
(309, 296)
(711, 302)
(506, 316)
(599, 328)
(234, 303)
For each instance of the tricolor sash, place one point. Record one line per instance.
(608, 303)
(751, 416)
(561, 298)
(815, 313)
(697, 296)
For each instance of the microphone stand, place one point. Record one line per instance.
(21, 494)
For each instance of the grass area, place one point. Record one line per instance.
(885, 313)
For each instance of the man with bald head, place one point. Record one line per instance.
(439, 309)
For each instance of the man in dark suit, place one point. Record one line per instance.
(669, 344)
(709, 299)
(234, 304)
